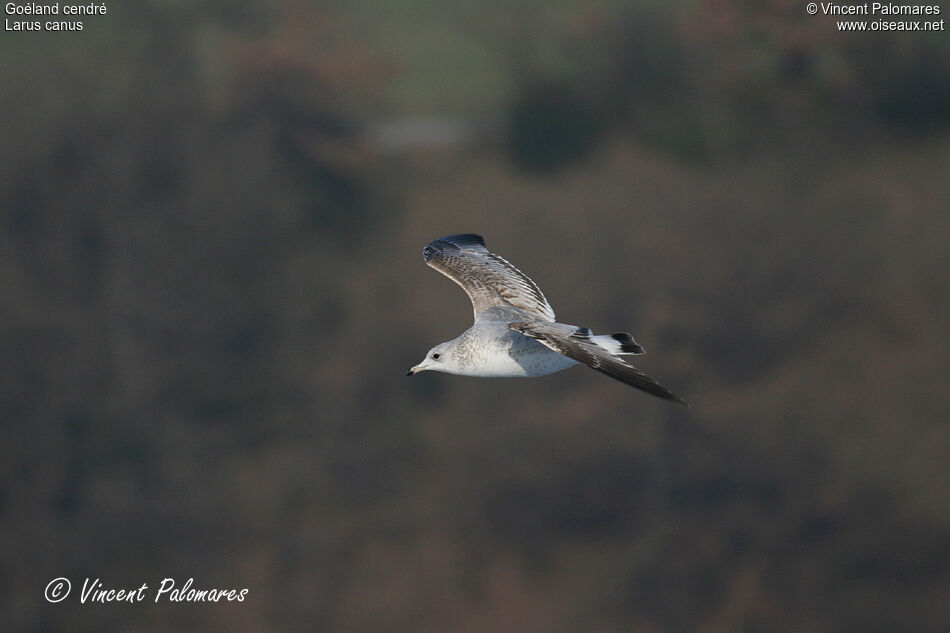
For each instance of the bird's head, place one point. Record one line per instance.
(439, 358)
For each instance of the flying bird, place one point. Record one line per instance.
(515, 334)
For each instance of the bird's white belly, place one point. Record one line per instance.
(538, 362)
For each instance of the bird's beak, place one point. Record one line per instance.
(413, 370)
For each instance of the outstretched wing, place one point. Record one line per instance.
(578, 344)
(487, 279)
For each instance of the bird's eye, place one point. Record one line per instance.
(436, 356)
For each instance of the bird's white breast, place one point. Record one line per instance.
(538, 363)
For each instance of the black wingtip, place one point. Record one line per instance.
(656, 389)
(681, 401)
(463, 239)
(452, 243)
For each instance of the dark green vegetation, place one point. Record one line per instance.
(212, 287)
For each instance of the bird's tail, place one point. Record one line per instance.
(618, 344)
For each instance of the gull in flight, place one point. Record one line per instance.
(515, 334)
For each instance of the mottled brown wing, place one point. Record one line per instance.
(487, 279)
(578, 344)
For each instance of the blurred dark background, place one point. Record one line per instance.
(211, 218)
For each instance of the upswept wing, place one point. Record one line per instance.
(487, 279)
(577, 344)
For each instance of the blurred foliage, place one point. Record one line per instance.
(718, 79)
(213, 287)
(551, 125)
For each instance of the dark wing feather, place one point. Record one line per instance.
(577, 344)
(488, 280)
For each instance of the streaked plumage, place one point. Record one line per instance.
(515, 333)
(487, 279)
